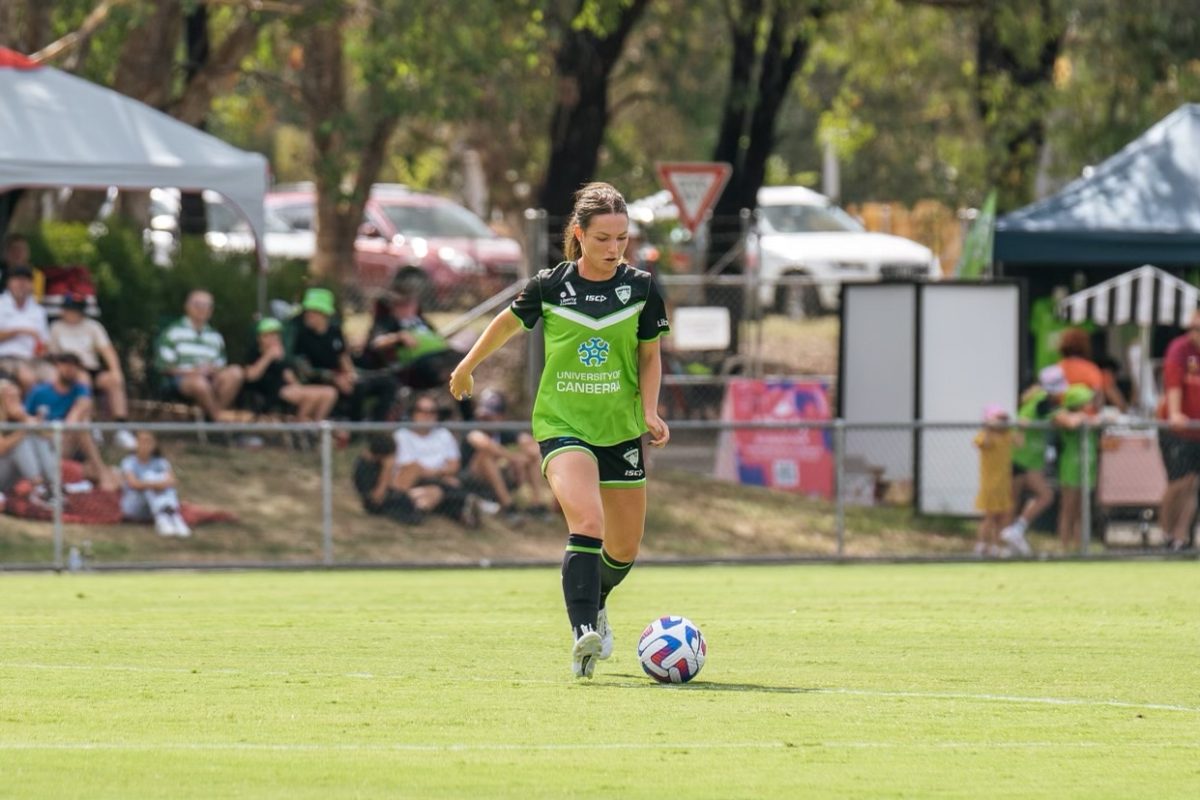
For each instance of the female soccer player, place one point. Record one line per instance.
(598, 395)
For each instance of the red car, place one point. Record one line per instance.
(428, 242)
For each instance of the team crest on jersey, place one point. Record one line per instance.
(593, 352)
(631, 456)
(624, 292)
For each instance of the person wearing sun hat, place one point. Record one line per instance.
(321, 357)
(1076, 412)
(272, 381)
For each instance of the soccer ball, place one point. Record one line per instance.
(672, 650)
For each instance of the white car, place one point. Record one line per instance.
(804, 236)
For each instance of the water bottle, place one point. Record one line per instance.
(74, 560)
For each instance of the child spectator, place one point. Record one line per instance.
(501, 462)
(148, 490)
(994, 501)
(270, 377)
(427, 455)
(76, 333)
(1075, 413)
(1038, 404)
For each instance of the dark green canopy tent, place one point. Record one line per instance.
(1140, 206)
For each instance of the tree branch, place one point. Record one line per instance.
(76, 37)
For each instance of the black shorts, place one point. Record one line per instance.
(1180, 456)
(621, 464)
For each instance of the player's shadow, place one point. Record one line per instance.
(710, 686)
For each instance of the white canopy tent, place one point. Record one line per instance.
(60, 130)
(1146, 296)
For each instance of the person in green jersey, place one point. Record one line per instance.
(1038, 404)
(1071, 419)
(598, 396)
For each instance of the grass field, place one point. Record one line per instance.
(967, 680)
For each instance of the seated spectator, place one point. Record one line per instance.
(373, 471)
(428, 455)
(191, 355)
(320, 357)
(67, 398)
(403, 340)
(23, 329)
(270, 378)
(23, 454)
(148, 488)
(16, 255)
(74, 332)
(503, 461)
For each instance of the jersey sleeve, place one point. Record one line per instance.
(528, 305)
(653, 322)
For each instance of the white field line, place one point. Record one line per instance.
(417, 747)
(994, 698)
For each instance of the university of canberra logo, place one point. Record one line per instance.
(593, 352)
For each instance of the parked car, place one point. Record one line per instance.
(227, 230)
(803, 234)
(804, 249)
(428, 242)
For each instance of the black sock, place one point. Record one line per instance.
(612, 572)
(581, 581)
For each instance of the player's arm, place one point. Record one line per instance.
(500, 330)
(650, 382)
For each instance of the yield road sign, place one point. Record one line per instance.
(695, 187)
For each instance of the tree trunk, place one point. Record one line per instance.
(1012, 95)
(583, 66)
(193, 217)
(760, 77)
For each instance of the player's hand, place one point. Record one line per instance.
(660, 434)
(462, 384)
(1179, 420)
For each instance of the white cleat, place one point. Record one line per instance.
(585, 653)
(606, 634)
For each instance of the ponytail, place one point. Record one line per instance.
(571, 249)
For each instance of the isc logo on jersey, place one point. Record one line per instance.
(631, 456)
(595, 298)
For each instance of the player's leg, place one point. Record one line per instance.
(624, 523)
(575, 481)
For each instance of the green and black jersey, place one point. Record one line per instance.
(589, 386)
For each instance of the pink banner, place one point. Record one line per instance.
(797, 460)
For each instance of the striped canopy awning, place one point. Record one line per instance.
(1144, 296)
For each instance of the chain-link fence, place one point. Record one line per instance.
(278, 495)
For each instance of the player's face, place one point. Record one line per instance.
(604, 240)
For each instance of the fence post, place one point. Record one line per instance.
(839, 464)
(537, 253)
(1085, 489)
(327, 492)
(56, 485)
